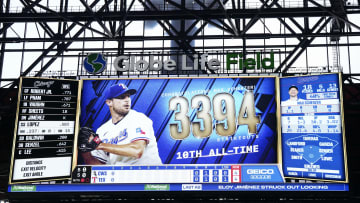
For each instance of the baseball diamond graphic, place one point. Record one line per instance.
(315, 147)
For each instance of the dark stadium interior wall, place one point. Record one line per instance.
(7, 123)
(352, 113)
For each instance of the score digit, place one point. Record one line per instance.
(180, 116)
(228, 116)
(204, 114)
(247, 114)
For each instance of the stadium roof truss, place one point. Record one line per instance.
(71, 29)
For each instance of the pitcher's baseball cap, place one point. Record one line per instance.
(117, 90)
(293, 86)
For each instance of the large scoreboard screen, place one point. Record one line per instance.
(313, 145)
(45, 129)
(260, 133)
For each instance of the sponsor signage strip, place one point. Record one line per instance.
(310, 187)
(95, 63)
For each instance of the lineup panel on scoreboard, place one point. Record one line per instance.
(45, 129)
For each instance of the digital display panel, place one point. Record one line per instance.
(206, 134)
(45, 129)
(213, 122)
(312, 134)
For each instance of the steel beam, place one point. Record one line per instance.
(2, 46)
(227, 28)
(164, 14)
(174, 36)
(89, 10)
(302, 46)
(335, 15)
(44, 25)
(122, 23)
(60, 50)
(183, 37)
(180, 40)
(6, 25)
(63, 18)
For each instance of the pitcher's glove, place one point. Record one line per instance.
(88, 140)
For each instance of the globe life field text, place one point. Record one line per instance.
(201, 62)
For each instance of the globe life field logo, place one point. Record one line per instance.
(95, 63)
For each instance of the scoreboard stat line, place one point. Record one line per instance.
(46, 127)
(165, 174)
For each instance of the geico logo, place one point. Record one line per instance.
(260, 171)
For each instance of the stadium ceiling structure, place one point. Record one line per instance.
(42, 35)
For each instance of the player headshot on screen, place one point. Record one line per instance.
(293, 93)
(126, 139)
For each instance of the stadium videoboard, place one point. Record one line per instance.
(203, 134)
(45, 130)
(312, 128)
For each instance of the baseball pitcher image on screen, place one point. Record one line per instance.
(126, 139)
(293, 97)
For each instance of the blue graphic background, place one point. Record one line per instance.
(262, 174)
(299, 82)
(338, 150)
(151, 99)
